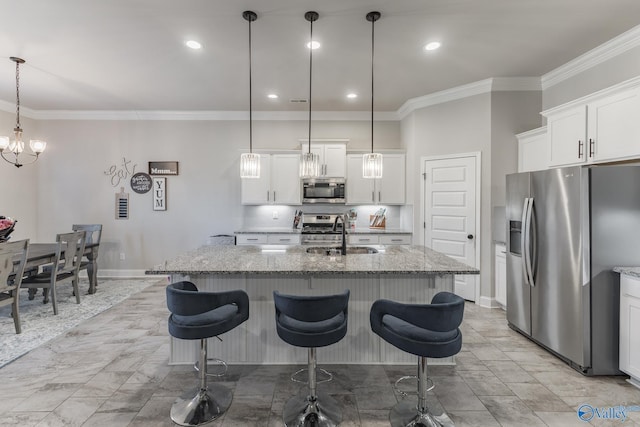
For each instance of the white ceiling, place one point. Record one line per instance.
(130, 54)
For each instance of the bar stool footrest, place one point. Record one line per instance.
(225, 368)
(396, 385)
(318, 370)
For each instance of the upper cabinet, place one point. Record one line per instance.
(332, 157)
(599, 128)
(279, 181)
(388, 190)
(533, 150)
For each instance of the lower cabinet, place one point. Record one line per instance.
(630, 327)
(268, 239)
(379, 239)
(501, 274)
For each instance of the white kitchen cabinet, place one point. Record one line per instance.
(630, 327)
(501, 274)
(533, 150)
(251, 239)
(283, 239)
(332, 158)
(363, 239)
(599, 128)
(395, 239)
(388, 190)
(279, 181)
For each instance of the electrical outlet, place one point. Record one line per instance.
(121, 256)
(274, 215)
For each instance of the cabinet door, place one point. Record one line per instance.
(501, 275)
(567, 137)
(359, 191)
(395, 239)
(391, 187)
(257, 191)
(362, 239)
(335, 160)
(614, 127)
(533, 152)
(630, 325)
(251, 239)
(285, 179)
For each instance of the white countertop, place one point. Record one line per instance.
(629, 271)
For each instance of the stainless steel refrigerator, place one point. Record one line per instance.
(566, 229)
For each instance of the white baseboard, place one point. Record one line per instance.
(489, 302)
(123, 274)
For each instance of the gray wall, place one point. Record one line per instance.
(615, 70)
(70, 186)
(484, 123)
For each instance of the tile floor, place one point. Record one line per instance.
(112, 371)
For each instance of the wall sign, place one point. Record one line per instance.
(141, 183)
(163, 168)
(159, 194)
(122, 204)
(122, 171)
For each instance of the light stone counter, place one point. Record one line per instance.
(410, 274)
(629, 271)
(294, 260)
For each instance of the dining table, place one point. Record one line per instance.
(40, 254)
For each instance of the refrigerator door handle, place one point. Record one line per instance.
(523, 240)
(526, 253)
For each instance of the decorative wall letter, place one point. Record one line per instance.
(159, 194)
(118, 173)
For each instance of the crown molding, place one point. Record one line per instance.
(198, 115)
(612, 48)
(496, 84)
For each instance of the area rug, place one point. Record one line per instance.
(39, 325)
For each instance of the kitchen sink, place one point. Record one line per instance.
(326, 250)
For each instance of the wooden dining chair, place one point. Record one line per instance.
(89, 263)
(66, 265)
(11, 276)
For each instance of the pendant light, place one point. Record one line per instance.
(14, 148)
(372, 162)
(250, 162)
(309, 162)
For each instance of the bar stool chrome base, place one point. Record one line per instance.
(303, 411)
(200, 406)
(406, 414)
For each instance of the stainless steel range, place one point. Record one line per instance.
(319, 229)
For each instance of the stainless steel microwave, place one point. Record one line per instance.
(323, 190)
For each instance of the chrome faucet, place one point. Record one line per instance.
(343, 218)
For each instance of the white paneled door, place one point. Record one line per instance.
(450, 212)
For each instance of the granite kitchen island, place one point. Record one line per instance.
(411, 274)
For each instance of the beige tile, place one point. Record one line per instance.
(539, 398)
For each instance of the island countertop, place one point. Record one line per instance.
(294, 260)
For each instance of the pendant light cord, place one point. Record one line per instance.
(310, 75)
(250, 96)
(372, 50)
(18, 95)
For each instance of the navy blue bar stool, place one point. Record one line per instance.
(426, 330)
(311, 322)
(198, 316)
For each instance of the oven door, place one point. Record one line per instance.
(321, 239)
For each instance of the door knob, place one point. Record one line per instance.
(470, 236)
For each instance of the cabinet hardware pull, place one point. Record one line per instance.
(379, 197)
(268, 195)
(396, 240)
(592, 144)
(274, 197)
(252, 239)
(373, 196)
(580, 143)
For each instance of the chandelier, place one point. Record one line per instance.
(372, 162)
(12, 149)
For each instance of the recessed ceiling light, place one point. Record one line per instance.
(432, 46)
(313, 44)
(352, 95)
(272, 96)
(193, 44)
